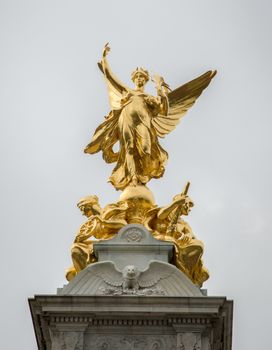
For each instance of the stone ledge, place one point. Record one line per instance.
(87, 322)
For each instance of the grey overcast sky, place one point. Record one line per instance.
(52, 97)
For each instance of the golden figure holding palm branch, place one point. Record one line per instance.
(136, 120)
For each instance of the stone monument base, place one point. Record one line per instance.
(132, 298)
(132, 322)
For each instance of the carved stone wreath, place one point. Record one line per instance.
(133, 235)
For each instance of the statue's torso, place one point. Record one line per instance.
(135, 112)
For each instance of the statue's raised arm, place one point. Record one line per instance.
(116, 88)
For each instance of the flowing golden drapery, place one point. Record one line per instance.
(140, 155)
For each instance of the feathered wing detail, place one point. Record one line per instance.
(180, 100)
(108, 273)
(153, 274)
(116, 89)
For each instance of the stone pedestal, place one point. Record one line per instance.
(161, 309)
(132, 322)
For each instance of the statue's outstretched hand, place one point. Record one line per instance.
(180, 199)
(160, 83)
(106, 50)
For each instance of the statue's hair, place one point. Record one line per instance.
(89, 200)
(141, 70)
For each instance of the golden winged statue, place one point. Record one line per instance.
(137, 119)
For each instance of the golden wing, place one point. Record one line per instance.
(180, 100)
(116, 89)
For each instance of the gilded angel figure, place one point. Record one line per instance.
(136, 120)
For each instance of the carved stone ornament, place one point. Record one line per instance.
(131, 342)
(133, 235)
(103, 278)
(133, 282)
(189, 341)
(119, 291)
(67, 340)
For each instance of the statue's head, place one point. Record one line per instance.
(89, 206)
(130, 271)
(140, 77)
(187, 206)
